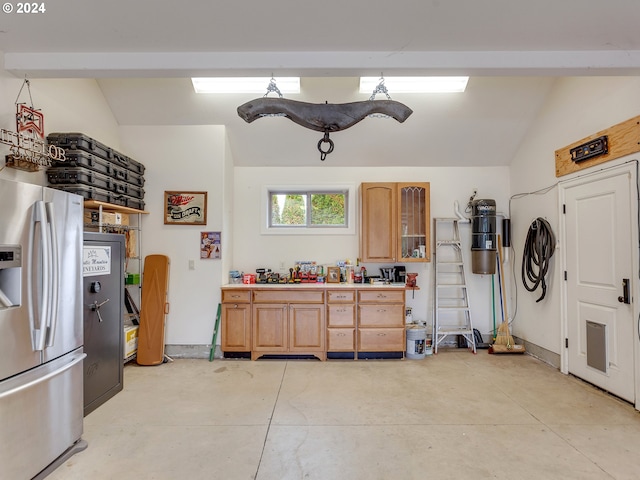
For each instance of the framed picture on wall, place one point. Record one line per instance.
(185, 208)
(210, 245)
(333, 274)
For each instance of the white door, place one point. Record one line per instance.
(598, 250)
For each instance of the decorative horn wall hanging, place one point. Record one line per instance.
(323, 117)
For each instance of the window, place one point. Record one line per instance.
(309, 210)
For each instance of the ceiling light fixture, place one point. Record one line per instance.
(416, 84)
(243, 84)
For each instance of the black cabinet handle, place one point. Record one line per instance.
(625, 297)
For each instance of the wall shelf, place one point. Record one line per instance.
(111, 207)
(134, 251)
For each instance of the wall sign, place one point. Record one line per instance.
(96, 260)
(29, 150)
(185, 208)
(210, 245)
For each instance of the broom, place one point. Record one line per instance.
(503, 342)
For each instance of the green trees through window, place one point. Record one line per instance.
(308, 209)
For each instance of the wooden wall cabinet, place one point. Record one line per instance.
(395, 222)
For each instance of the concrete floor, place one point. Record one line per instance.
(451, 416)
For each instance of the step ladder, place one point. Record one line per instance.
(452, 313)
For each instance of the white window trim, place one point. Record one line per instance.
(350, 229)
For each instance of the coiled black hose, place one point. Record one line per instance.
(538, 250)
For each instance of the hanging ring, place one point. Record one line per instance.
(325, 139)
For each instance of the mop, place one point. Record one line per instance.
(503, 342)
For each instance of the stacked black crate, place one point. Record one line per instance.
(96, 171)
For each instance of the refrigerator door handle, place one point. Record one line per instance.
(78, 357)
(38, 332)
(55, 275)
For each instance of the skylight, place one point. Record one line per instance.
(244, 84)
(416, 84)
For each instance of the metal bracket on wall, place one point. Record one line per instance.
(594, 148)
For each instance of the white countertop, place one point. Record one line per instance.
(297, 286)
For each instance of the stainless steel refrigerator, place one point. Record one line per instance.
(41, 335)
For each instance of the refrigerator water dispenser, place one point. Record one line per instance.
(10, 271)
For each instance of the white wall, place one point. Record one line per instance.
(187, 158)
(228, 212)
(253, 249)
(575, 108)
(68, 106)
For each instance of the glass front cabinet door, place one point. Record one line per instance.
(414, 218)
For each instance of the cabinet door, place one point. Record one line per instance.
(379, 222)
(306, 328)
(414, 217)
(236, 327)
(269, 327)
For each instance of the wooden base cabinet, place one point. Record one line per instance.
(341, 321)
(381, 321)
(236, 328)
(236, 321)
(296, 321)
(288, 326)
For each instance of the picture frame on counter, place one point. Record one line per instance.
(185, 208)
(333, 274)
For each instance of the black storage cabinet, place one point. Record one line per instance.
(103, 318)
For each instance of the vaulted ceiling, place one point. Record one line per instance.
(142, 53)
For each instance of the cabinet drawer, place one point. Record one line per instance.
(384, 296)
(381, 315)
(381, 340)
(288, 296)
(337, 296)
(236, 296)
(341, 315)
(341, 339)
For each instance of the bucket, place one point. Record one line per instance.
(416, 342)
